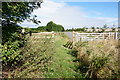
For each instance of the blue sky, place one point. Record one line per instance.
(107, 9)
(85, 0)
(76, 14)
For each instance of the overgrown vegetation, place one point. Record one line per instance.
(45, 57)
(12, 39)
(37, 55)
(98, 59)
(42, 56)
(62, 66)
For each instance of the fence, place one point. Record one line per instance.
(95, 36)
(48, 34)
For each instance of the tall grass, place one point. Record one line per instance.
(98, 59)
(37, 55)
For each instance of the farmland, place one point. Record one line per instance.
(98, 59)
(45, 56)
(62, 40)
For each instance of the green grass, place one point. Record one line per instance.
(63, 65)
(46, 58)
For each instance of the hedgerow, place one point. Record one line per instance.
(13, 40)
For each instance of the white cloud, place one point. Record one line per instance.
(69, 16)
(86, 0)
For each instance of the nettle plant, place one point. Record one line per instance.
(11, 53)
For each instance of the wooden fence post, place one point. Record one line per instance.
(115, 35)
(53, 34)
(30, 33)
(109, 36)
(73, 34)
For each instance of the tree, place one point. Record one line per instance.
(105, 26)
(93, 29)
(59, 28)
(51, 26)
(114, 25)
(98, 28)
(16, 12)
(113, 29)
(19, 11)
(42, 28)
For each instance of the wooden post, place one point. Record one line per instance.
(30, 33)
(103, 37)
(52, 34)
(109, 35)
(116, 35)
(73, 34)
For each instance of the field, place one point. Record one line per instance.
(83, 45)
(98, 59)
(44, 56)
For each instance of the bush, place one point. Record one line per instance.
(98, 59)
(11, 50)
(12, 41)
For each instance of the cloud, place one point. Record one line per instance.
(86, 0)
(97, 13)
(68, 16)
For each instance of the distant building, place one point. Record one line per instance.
(116, 29)
(89, 30)
(109, 29)
(96, 30)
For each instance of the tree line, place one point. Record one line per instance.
(93, 29)
(51, 26)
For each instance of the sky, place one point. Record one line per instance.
(76, 14)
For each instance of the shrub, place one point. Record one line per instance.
(11, 50)
(98, 59)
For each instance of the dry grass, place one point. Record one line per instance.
(100, 58)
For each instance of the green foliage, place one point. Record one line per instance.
(81, 44)
(12, 40)
(49, 27)
(37, 56)
(96, 59)
(26, 29)
(98, 62)
(8, 32)
(105, 26)
(62, 66)
(113, 29)
(19, 11)
(54, 27)
(95, 66)
(10, 50)
(77, 29)
(42, 28)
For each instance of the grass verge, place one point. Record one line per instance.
(45, 57)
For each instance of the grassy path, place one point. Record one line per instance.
(63, 65)
(46, 58)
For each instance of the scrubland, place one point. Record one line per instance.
(98, 59)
